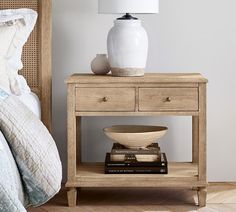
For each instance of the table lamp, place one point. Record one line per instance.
(127, 42)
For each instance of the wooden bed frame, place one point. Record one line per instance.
(37, 53)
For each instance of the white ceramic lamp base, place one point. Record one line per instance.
(127, 46)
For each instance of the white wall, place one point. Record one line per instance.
(186, 36)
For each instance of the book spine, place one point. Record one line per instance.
(160, 163)
(137, 164)
(138, 171)
(134, 151)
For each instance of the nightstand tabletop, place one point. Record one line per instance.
(147, 78)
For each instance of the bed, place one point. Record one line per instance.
(36, 59)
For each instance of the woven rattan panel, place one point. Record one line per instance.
(30, 55)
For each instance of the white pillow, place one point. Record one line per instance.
(32, 101)
(6, 37)
(24, 22)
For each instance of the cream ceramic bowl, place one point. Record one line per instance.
(135, 136)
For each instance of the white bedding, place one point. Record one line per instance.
(15, 28)
(13, 179)
(32, 101)
(33, 165)
(18, 196)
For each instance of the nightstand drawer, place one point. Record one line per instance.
(168, 99)
(105, 99)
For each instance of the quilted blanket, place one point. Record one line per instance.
(34, 152)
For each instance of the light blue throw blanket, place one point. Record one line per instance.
(35, 154)
(12, 196)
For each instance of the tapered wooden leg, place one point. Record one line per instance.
(72, 197)
(202, 145)
(202, 195)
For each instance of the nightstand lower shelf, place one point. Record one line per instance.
(179, 175)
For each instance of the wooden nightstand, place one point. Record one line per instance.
(151, 95)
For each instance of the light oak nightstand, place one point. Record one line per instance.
(151, 95)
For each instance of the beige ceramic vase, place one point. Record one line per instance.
(100, 64)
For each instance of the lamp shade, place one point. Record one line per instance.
(128, 6)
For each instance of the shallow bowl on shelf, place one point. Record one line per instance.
(135, 136)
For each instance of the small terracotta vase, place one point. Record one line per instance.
(100, 64)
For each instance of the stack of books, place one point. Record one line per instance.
(122, 160)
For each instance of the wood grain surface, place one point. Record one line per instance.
(168, 99)
(147, 78)
(105, 99)
(221, 197)
(90, 95)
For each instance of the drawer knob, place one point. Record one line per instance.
(168, 99)
(104, 99)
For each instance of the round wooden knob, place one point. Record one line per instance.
(168, 99)
(105, 99)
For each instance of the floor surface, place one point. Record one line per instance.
(221, 198)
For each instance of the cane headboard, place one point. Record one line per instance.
(37, 53)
